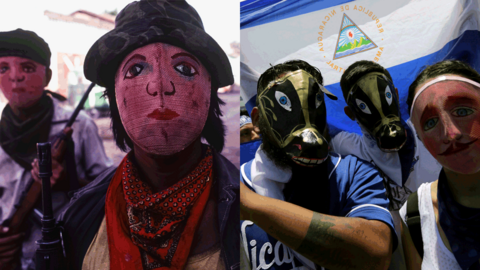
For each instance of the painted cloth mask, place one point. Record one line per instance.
(445, 113)
(163, 96)
(22, 80)
(374, 102)
(295, 111)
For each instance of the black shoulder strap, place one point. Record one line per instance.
(413, 222)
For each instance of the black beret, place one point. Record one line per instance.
(26, 44)
(147, 21)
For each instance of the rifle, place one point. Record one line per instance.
(33, 189)
(49, 254)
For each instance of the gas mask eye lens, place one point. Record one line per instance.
(388, 95)
(318, 100)
(362, 106)
(283, 100)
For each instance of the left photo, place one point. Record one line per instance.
(119, 135)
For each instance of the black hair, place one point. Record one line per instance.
(243, 111)
(356, 71)
(213, 131)
(444, 67)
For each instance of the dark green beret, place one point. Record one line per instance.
(25, 44)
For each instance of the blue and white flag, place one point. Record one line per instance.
(402, 35)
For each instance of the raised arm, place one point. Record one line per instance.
(329, 241)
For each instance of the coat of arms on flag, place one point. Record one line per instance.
(351, 39)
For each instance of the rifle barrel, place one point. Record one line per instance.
(45, 172)
(80, 105)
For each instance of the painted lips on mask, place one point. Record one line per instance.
(455, 148)
(163, 114)
(308, 149)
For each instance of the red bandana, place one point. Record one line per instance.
(150, 230)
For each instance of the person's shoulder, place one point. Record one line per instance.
(225, 170)
(350, 170)
(350, 160)
(93, 191)
(346, 142)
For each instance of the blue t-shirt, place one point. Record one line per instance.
(356, 190)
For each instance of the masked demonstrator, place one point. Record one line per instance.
(387, 141)
(443, 217)
(337, 215)
(172, 203)
(34, 115)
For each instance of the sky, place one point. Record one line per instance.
(221, 18)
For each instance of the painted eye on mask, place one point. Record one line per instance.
(431, 123)
(388, 95)
(134, 71)
(318, 100)
(461, 112)
(362, 106)
(283, 100)
(186, 69)
(3, 69)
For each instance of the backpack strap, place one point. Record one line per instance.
(413, 222)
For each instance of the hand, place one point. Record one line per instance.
(10, 247)
(58, 165)
(58, 172)
(247, 198)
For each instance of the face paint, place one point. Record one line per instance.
(22, 80)
(163, 96)
(294, 108)
(447, 119)
(374, 102)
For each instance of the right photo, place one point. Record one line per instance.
(359, 134)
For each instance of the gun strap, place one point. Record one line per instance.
(414, 223)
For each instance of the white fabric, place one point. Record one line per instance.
(268, 179)
(441, 79)
(425, 168)
(90, 158)
(442, 22)
(436, 255)
(249, 79)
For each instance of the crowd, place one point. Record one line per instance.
(402, 195)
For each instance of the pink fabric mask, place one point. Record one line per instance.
(163, 96)
(447, 119)
(22, 80)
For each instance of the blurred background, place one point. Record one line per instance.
(71, 27)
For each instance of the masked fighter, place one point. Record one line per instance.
(173, 202)
(444, 103)
(337, 216)
(34, 115)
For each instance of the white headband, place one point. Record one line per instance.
(440, 79)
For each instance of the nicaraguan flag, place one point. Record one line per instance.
(402, 35)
